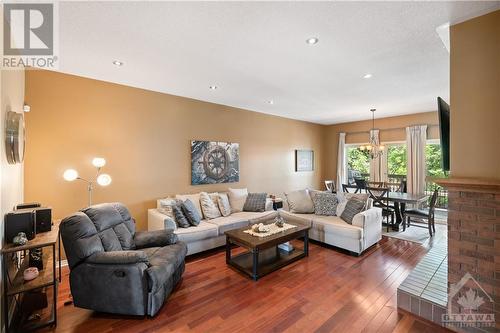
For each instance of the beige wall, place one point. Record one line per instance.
(11, 176)
(391, 129)
(145, 138)
(475, 97)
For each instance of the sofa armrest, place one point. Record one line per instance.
(368, 218)
(118, 257)
(156, 238)
(159, 221)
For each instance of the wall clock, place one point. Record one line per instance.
(14, 137)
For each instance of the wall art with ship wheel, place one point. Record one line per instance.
(214, 162)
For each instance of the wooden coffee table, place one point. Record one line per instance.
(264, 256)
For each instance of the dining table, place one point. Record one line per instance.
(400, 200)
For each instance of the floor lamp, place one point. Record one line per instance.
(101, 179)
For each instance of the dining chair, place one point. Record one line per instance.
(346, 187)
(376, 184)
(422, 214)
(330, 186)
(380, 196)
(361, 184)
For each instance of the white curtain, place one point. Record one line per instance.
(341, 163)
(416, 139)
(378, 166)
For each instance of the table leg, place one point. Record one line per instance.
(228, 250)
(306, 243)
(255, 254)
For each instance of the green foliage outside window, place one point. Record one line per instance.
(358, 160)
(396, 160)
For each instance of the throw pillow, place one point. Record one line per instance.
(190, 212)
(165, 206)
(255, 202)
(300, 202)
(237, 198)
(180, 219)
(352, 207)
(208, 206)
(195, 198)
(325, 203)
(223, 203)
(344, 197)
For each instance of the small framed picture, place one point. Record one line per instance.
(304, 160)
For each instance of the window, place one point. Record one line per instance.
(358, 163)
(433, 159)
(396, 162)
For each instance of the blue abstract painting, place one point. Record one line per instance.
(214, 162)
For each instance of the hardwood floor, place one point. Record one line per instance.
(329, 291)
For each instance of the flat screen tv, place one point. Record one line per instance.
(444, 132)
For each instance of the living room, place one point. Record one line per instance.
(205, 135)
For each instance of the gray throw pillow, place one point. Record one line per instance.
(255, 202)
(191, 212)
(325, 203)
(352, 207)
(180, 218)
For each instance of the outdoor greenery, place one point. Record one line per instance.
(433, 160)
(396, 160)
(358, 160)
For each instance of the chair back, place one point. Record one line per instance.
(360, 183)
(98, 228)
(380, 196)
(330, 185)
(346, 187)
(432, 203)
(376, 184)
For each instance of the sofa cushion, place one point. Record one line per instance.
(325, 203)
(190, 212)
(237, 198)
(204, 230)
(180, 219)
(344, 197)
(353, 207)
(209, 205)
(195, 198)
(334, 224)
(233, 221)
(300, 202)
(255, 202)
(223, 203)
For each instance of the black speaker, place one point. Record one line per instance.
(43, 219)
(28, 205)
(19, 221)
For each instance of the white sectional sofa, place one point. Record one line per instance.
(208, 234)
(365, 231)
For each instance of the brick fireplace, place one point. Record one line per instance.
(474, 248)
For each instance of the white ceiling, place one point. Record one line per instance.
(256, 52)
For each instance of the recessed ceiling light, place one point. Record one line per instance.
(213, 87)
(117, 63)
(312, 40)
(367, 76)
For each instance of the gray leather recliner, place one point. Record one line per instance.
(115, 269)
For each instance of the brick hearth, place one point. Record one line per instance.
(474, 243)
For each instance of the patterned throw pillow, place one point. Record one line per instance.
(325, 203)
(255, 202)
(165, 206)
(300, 202)
(223, 203)
(352, 207)
(180, 219)
(209, 205)
(190, 211)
